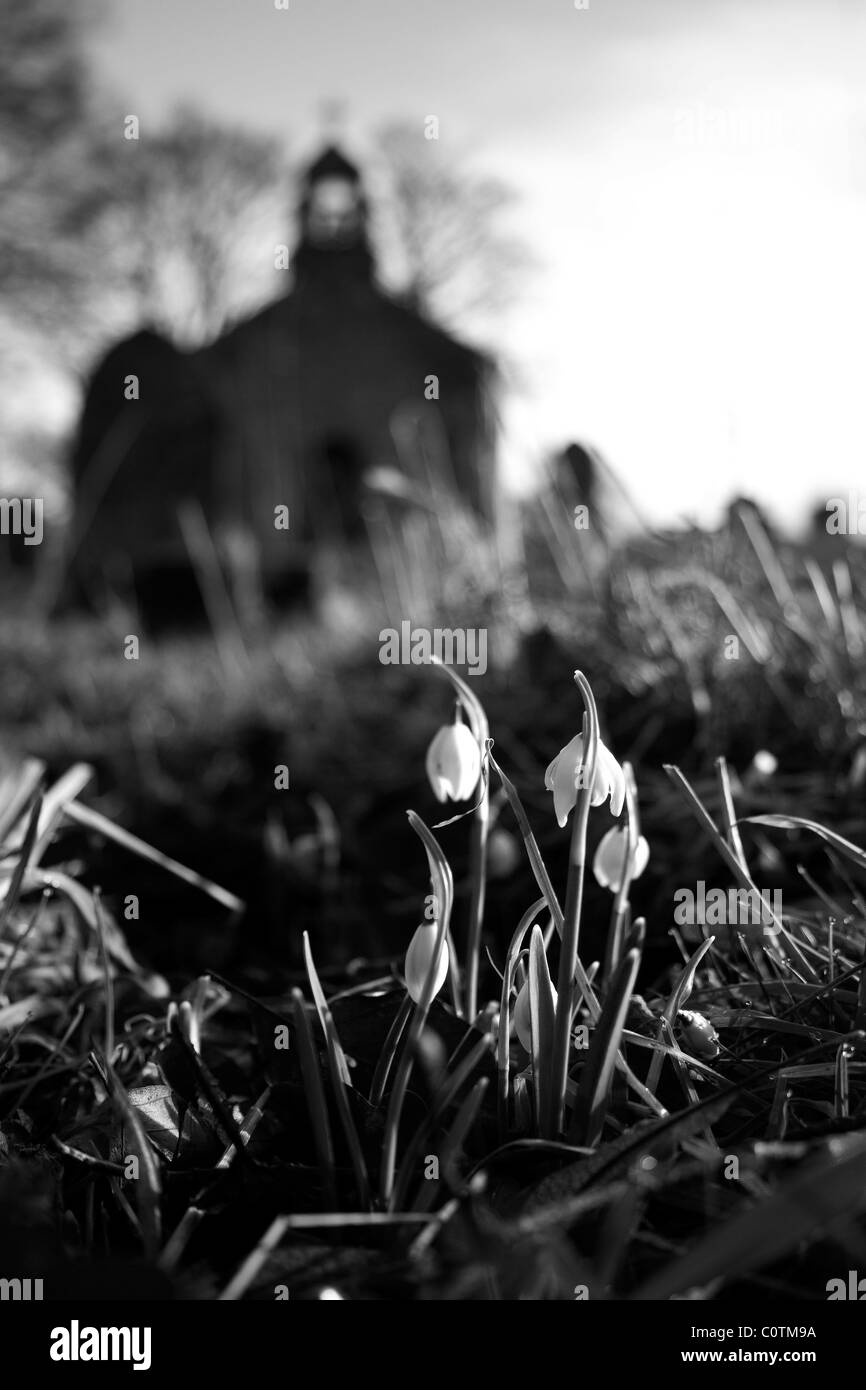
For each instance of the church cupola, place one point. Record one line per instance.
(333, 208)
(332, 254)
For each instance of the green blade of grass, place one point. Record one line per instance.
(10, 902)
(35, 918)
(732, 832)
(326, 1018)
(782, 822)
(314, 1091)
(109, 978)
(677, 999)
(444, 1097)
(389, 1050)
(92, 820)
(841, 1081)
(860, 1015)
(453, 1143)
(195, 1214)
(694, 1063)
(249, 1268)
(208, 1090)
(55, 801)
(340, 1081)
(16, 790)
(591, 1104)
(712, 832)
(57, 881)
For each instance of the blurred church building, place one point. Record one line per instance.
(259, 444)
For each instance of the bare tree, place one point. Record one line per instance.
(198, 210)
(99, 233)
(48, 176)
(443, 233)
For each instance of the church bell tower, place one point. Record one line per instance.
(333, 221)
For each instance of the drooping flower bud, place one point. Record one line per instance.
(184, 1017)
(698, 1034)
(418, 958)
(522, 1021)
(563, 777)
(610, 857)
(454, 762)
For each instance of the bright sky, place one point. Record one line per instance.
(693, 182)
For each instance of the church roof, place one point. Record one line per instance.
(332, 163)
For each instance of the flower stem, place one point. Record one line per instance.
(621, 898)
(555, 1121)
(478, 874)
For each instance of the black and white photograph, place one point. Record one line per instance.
(432, 673)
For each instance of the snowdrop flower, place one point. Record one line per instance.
(418, 958)
(610, 856)
(561, 778)
(454, 762)
(522, 1024)
(699, 1035)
